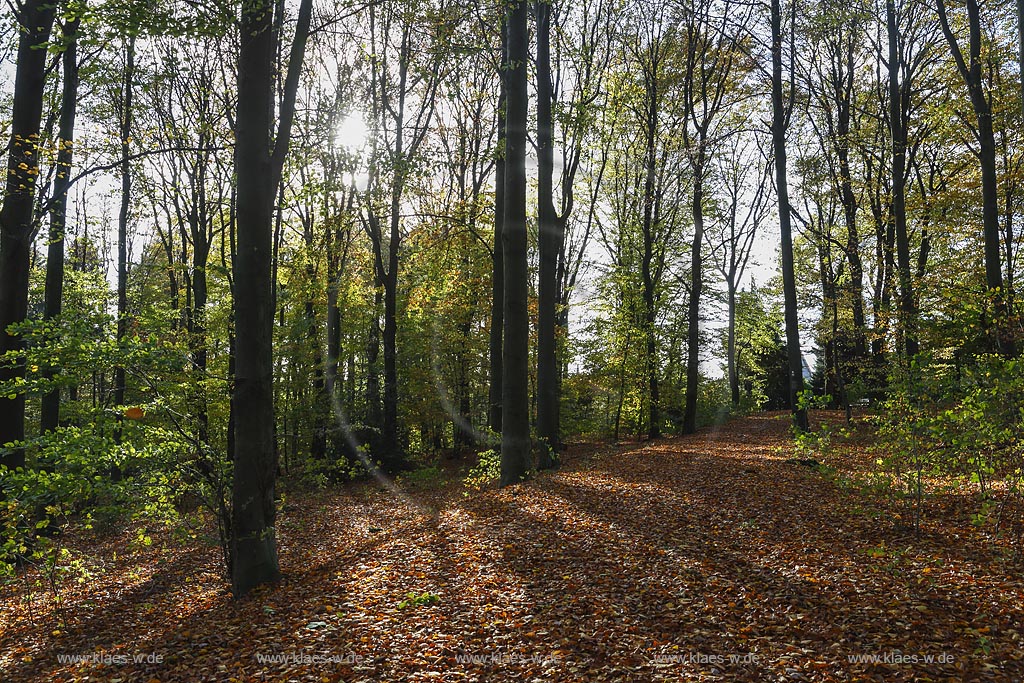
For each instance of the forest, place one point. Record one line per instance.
(603, 340)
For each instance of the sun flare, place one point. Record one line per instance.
(352, 133)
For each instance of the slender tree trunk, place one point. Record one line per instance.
(971, 72)
(549, 241)
(693, 308)
(515, 399)
(337, 266)
(54, 293)
(318, 402)
(622, 387)
(16, 225)
(1020, 48)
(732, 360)
(849, 201)
(898, 132)
(390, 448)
(646, 276)
(497, 254)
(123, 216)
(779, 121)
(373, 408)
(200, 296)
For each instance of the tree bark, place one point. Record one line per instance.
(124, 214)
(971, 71)
(515, 400)
(779, 125)
(693, 307)
(16, 224)
(549, 243)
(497, 257)
(257, 171)
(54, 292)
(646, 274)
(898, 133)
(732, 359)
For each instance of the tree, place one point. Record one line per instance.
(898, 132)
(125, 110)
(497, 327)
(54, 293)
(515, 404)
(714, 54)
(549, 243)
(970, 69)
(17, 227)
(745, 180)
(403, 97)
(647, 181)
(184, 99)
(258, 165)
(583, 34)
(780, 122)
(835, 34)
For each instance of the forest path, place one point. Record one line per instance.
(700, 558)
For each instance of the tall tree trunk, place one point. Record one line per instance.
(971, 71)
(848, 198)
(200, 296)
(515, 399)
(123, 216)
(549, 243)
(391, 450)
(497, 254)
(258, 172)
(16, 225)
(898, 132)
(693, 307)
(779, 124)
(732, 360)
(372, 396)
(646, 275)
(254, 548)
(1020, 49)
(54, 293)
(318, 440)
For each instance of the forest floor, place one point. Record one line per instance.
(701, 558)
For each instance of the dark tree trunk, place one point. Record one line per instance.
(497, 256)
(693, 308)
(1020, 48)
(549, 242)
(515, 399)
(732, 360)
(971, 71)
(898, 132)
(254, 548)
(390, 449)
(16, 224)
(126, 112)
(844, 117)
(257, 171)
(200, 296)
(123, 216)
(372, 396)
(54, 293)
(646, 274)
(337, 262)
(779, 124)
